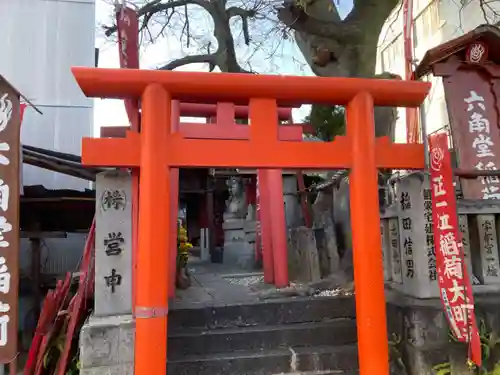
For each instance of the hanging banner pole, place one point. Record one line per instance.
(128, 46)
(454, 282)
(127, 22)
(411, 113)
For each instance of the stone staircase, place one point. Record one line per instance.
(305, 336)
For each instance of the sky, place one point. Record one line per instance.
(109, 112)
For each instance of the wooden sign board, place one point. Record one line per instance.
(9, 219)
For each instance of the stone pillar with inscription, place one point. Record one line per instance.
(113, 244)
(386, 249)
(107, 340)
(486, 265)
(464, 230)
(416, 237)
(236, 252)
(395, 250)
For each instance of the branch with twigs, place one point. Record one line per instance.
(490, 12)
(244, 14)
(225, 55)
(191, 59)
(295, 15)
(156, 6)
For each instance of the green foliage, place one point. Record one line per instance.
(445, 369)
(442, 369)
(489, 341)
(328, 121)
(54, 351)
(74, 366)
(396, 353)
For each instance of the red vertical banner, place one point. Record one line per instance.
(128, 45)
(454, 283)
(408, 30)
(22, 108)
(127, 23)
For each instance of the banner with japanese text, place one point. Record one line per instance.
(454, 283)
(128, 45)
(10, 162)
(472, 109)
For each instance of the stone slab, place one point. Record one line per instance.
(234, 235)
(205, 244)
(488, 244)
(239, 254)
(395, 251)
(250, 225)
(415, 230)
(113, 242)
(303, 259)
(234, 224)
(125, 369)
(266, 337)
(107, 341)
(293, 211)
(463, 223)
(290, 360)
(386, 249)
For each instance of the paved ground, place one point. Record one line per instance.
(216, 284)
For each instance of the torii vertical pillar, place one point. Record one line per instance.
(265, 226)
(153, 270)
(174, 182)
(365, 213)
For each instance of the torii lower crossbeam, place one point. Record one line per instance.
(156, 150)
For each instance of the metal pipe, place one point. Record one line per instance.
(423, 126)
(472, 174)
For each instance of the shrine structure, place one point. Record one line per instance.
(221, 124)
(158, 148)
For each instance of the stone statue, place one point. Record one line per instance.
(235, 205)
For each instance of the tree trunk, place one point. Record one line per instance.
(341, 48)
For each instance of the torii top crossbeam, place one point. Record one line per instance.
(238, 88)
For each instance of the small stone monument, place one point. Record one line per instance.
(416, 238)
(113, 242)
(235, 249)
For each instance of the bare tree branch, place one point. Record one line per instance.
(156, 6)
(244, 14)
(297, 19)
(179, 16)
(194, 59)
(490, 14)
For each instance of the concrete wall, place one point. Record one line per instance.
(436, 22)
(43, 39)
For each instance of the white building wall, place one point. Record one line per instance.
(41, 40)
(436, 21)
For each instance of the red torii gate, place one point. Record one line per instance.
(221, 125)
(156, 149)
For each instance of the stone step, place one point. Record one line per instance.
(312, 360)
(202, 341)
(270, 312)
